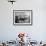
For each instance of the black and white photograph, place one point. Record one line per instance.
(22, 16)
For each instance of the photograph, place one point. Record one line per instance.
(22, 17)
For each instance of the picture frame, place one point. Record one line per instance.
(22, 17)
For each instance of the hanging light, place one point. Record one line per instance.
(12, 1)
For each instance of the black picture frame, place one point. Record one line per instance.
(22, 17)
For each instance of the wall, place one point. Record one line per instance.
(38, 30)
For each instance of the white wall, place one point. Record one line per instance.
(38, 30)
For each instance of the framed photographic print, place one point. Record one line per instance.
(22, 17)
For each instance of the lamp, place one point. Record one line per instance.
(12, 1)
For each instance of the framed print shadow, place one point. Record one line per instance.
(22, 17)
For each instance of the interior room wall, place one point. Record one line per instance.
(8, 31)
